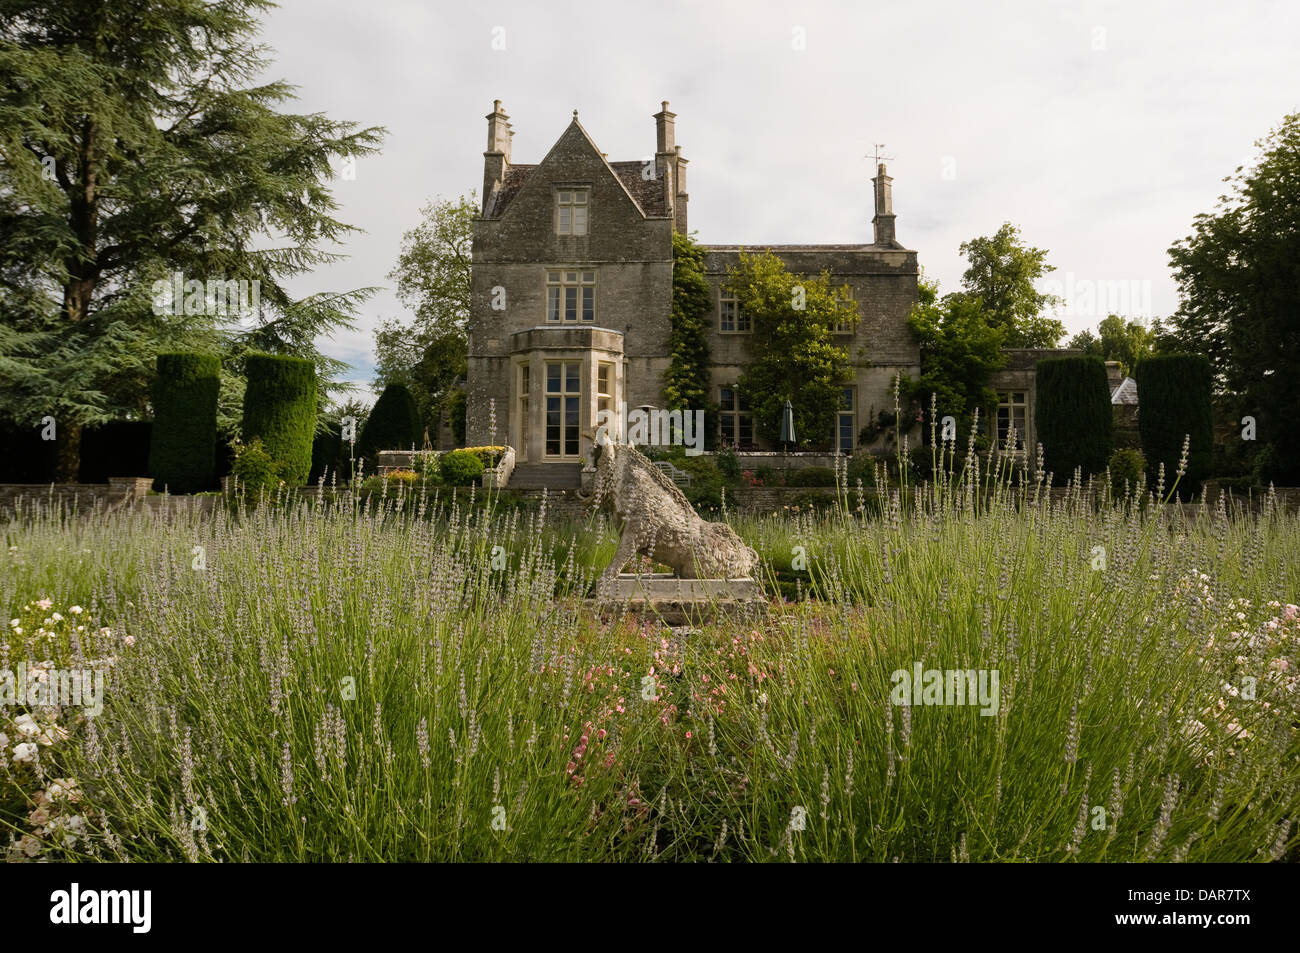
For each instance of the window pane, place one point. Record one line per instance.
(579, 221)
(552, 378)
(746, 429)
(588, 304)
(552, 425)
(588, 276)
(728, 401)
(570, 304)
(571, 425)
(580, 197)
(846, 431)
(742, 402)
(571, 378)
(728, 428)
(553, 276)
(846, 398)
(565, 211)
(602, 378)
(552, 304)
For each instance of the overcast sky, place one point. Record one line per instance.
(1100, 129)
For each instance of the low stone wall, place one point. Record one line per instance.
(767, 500)
(118, 491)
(785, 462)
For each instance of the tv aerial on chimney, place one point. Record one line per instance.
(879, 154)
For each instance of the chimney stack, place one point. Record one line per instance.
(497, 157)
(670, 167)
(884, 217)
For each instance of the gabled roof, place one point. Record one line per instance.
(646, 194)
(1126, 392)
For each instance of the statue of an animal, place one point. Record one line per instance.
(654, 518)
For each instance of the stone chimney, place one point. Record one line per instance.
(497, 157)
(884, 218)
(667, 157)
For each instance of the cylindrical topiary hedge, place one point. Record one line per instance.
(280, 408)
(1072, 415)
(182, 448)
(1175, 393)
(393, 424)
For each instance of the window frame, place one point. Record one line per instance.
(578, 199)
(570, 288)
(741, 323)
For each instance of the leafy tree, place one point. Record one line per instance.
(182, 453)
(394, 424)
(1116, 340)
(433, 280)
(1073, 415)
(280, 409)
(959, 350)
(1002, 274)
(1175, 402)
(794, 358)
(687, 380)
(134, 147)
(1238, 276)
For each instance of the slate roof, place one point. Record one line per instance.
(1126, 392)
(648, 194)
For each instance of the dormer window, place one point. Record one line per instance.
(571, 212)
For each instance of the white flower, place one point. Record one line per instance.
(25, 753)
(128, 640)
(4, 741)
(57, 617)
(27, 726)
(18, 630)
(14, 623)
(76, 610)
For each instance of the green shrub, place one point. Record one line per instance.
(254, 469)
(1126, 467)
(490, 456)
(182, 450)
(393, 424)
(729, 465)
(769, 476)
(811, 476)
(818, 502)
(1174, 401)
(407, 481)
(1073, 415)
(280, 411)
(455, 410)
(862, 467)
(460, 468)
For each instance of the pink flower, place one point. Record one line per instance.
(601, 734)
(571, 767)
(44, 603)
(1291, 611)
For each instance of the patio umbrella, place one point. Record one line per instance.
(787, 423)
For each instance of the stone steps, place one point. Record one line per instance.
(552, 476)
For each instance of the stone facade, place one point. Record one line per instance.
(572, 295)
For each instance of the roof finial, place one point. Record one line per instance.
(575, 114)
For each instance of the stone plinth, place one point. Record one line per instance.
(680, 601)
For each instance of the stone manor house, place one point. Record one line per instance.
(572, 291)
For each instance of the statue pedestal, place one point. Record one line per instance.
(680, 601)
